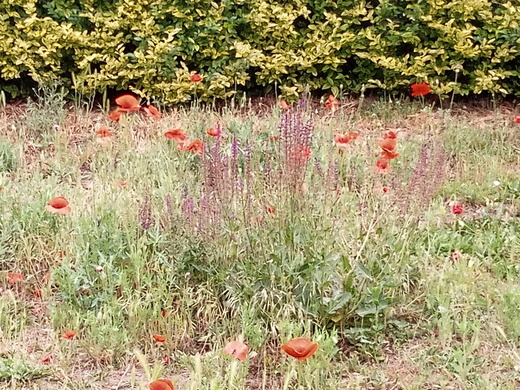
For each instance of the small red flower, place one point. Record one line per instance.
(382, 166)
(389, 154)
(104, 132)
(47, 359)
(152, 112)
(161, 384)
(38, 293)
(15, 277)
(159, 338)
(300, 348)
(115, 116)
(69, 334)
(58, 205)
(273, 138)
(128, 103)
(284, 105)
(517, 119)
(166, 360)
(196, 78)
(270, 209)
(420, 89)
(390, 134)
(387, 144)
(196, 146)
(385, 190)
(176, 135)
(457, 209)
(302, 153)
(331, 103)
(342, 139)
(238, 349)
(214, 131)
(164, 313)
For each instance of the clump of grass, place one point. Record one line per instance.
(16, 370)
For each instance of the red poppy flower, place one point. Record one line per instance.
(390, 134)
(159, 338)
(382, 166)
(196, 78)
(15, 277)
(387, 144)
(457, 209)
(164, 313)
(38, 293)
(270, 209)
(389, 154)
(420, 89)
(238, 349)
(353, 135)
(331, 103)
(104, 132)
(58, 205)
(161, 384)
(128, 103)
(385, 190)
(115, 116)
(196, 146)
(47, 359)
(214, 131)
(342, 139)
(284, 105)
(183, 145)
(302, 153)
(517, 118)
(176, 135)
(152, 112)
(69, 334)
(300, 348)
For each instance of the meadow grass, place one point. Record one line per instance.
(271, 234)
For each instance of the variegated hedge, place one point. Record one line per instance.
(153, 46)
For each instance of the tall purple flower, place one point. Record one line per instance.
(296, 137)
(145, 214)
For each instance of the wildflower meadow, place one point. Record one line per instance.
(259, 244)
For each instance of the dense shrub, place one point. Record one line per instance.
(152, 46)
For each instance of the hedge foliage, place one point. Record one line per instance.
(153, 46)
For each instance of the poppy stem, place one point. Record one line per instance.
(289, 376)
(453, 91)
(299, 373)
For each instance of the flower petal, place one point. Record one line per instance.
(128, 102)
(300, 348)
(238, 349)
